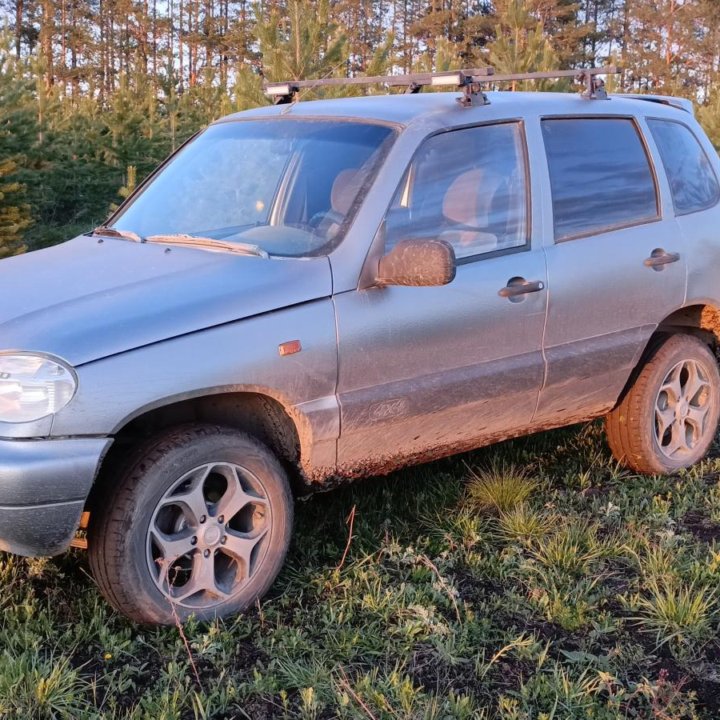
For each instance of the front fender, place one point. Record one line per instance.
(236, 357)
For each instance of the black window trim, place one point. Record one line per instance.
(648, 118)
(659, 210)
(520, 122)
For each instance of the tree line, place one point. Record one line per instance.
(95, 93)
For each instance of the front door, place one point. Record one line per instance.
(617, 267)
(425, 371)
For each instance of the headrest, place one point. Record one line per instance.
(461, 200)
(344, 190)
(469, 199)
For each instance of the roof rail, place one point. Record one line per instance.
(676, 102)
(469, 81)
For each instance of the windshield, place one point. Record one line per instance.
(286, 186)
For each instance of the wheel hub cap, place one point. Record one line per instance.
(212, 536)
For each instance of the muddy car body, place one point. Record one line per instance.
(396, 341)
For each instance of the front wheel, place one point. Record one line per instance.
(199, 524)
(668, 418)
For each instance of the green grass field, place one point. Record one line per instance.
(533, 579)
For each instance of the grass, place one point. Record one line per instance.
(682, 616)
(500, 487)
(533, 580)
(525, 524)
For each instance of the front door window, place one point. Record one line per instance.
(468, 187)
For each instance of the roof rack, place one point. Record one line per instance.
(469, 81)
(285, 92)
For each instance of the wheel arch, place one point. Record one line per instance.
(701, 319)
(256, 413)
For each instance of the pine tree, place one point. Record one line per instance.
(16, 130)
(709, 117)
(91, 88)
(663, 44)
(297, 40)
(519, 44)
(14, 214)
(455, 30)
(363, 24)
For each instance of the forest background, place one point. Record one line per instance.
(95, 93)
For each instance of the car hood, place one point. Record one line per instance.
(90, 298)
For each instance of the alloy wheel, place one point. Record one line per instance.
(207, 535)
(682, 408)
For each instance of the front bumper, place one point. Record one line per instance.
(43, 488)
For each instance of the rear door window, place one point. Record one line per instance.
(600, 175)
(693, 183)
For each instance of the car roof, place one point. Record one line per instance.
(442, 108)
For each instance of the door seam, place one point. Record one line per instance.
(544, 330)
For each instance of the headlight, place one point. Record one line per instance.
(33, 386)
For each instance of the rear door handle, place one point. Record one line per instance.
(520, 286)
(659, 258)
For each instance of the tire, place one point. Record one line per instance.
(198, 525)
(668, 418)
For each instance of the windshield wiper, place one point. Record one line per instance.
(114, 232)
(210, 243)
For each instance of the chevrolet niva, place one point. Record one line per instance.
(316, 291)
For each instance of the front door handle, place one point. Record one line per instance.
(520, 286)
(659, 258)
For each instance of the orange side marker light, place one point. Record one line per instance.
(290, 347)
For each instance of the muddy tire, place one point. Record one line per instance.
(668, 418)
(197, 525)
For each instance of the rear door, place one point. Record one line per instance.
(430, 370)
(616, 262)
(691, 165)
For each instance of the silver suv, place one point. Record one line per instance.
(316, 291)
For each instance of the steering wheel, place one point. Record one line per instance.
(321, 222)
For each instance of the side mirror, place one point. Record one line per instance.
(417, 263)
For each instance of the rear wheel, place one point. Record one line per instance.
(199, 524)
(668, 418)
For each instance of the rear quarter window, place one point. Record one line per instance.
(600, 175)
(693, 183)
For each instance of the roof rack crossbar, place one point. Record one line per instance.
(468, 79)
(549, 74)
(418, 78)
(285, 91)
(594, 87)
